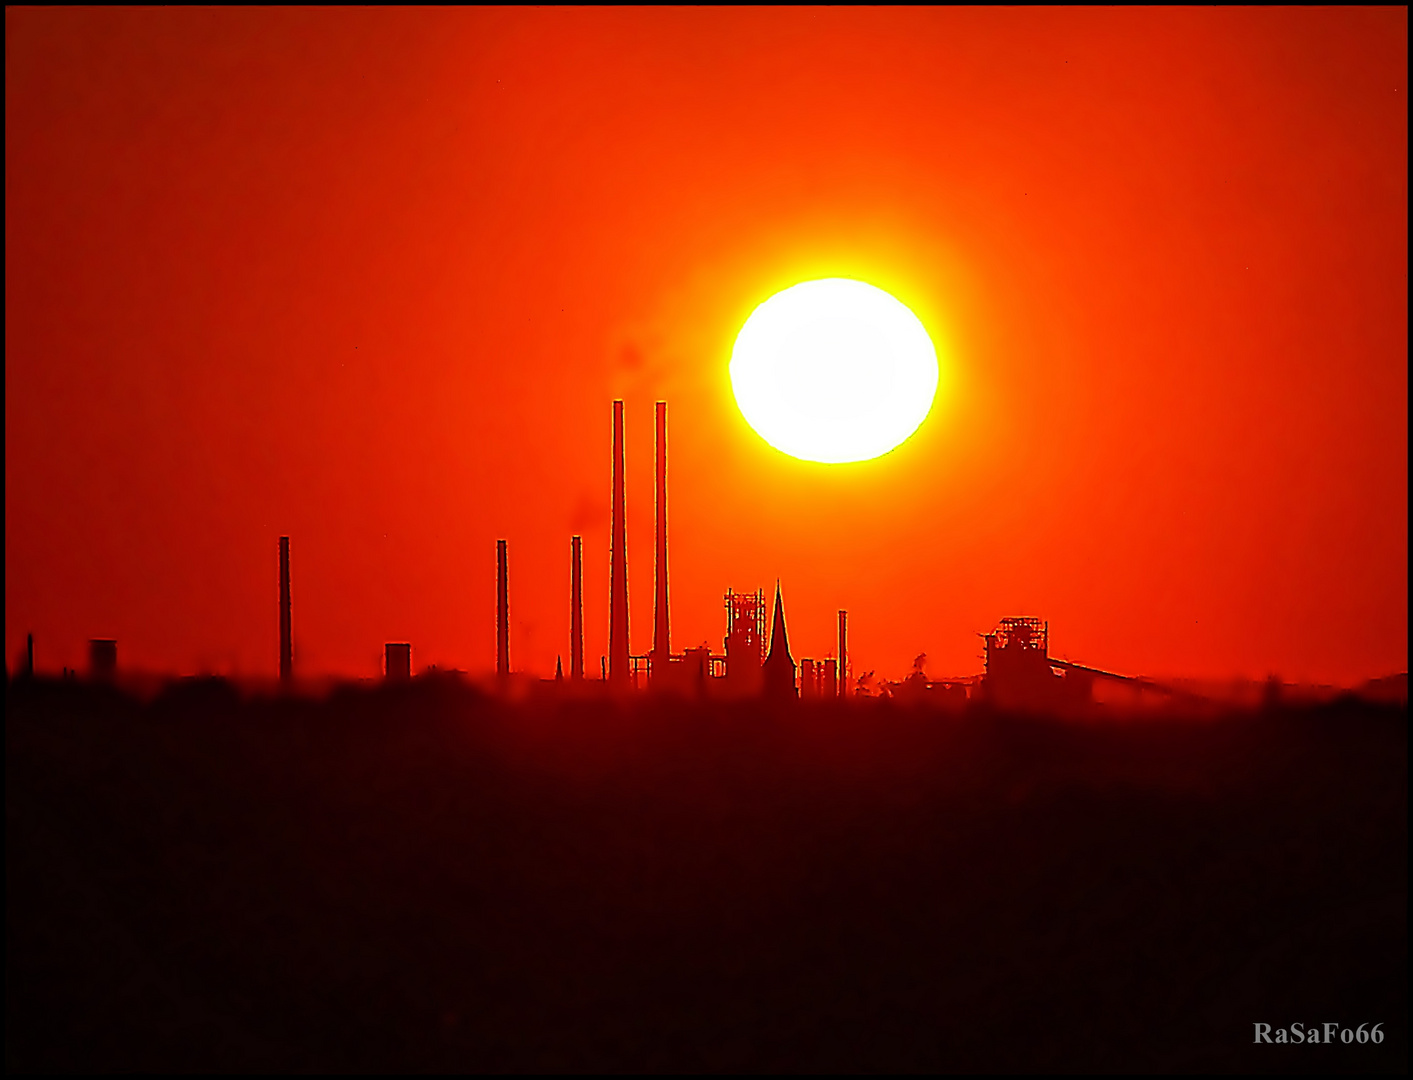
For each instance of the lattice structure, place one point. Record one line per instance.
(1020, 633)
(1018, 667)
(745, 627)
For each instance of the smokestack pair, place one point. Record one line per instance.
(618, 653)
(619, 661)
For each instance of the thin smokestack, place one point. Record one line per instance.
(502, 612)
(576, 608)
(618, 566)
(286, 640)
(843, 653)
(662, 645)
(29, 654)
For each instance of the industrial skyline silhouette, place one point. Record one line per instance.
(1018, 667)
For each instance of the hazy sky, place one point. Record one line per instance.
(371, 278)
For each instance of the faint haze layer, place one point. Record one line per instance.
(370, 279)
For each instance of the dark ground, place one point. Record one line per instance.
(428, 881)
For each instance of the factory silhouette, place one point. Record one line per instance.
(755, 660)
(745, 667)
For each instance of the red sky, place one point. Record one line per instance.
(371, 278)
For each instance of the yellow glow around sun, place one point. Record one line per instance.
(833, 370)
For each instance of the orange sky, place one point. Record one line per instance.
(372, 277)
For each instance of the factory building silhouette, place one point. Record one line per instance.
(741, 669)
(744, 668)
(1019, 670)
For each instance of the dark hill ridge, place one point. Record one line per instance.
(429, 880)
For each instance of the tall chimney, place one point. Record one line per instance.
(662, 645)
(286, 643)
(576, 608)
(502, 613)
(618, 566)
(843, 653)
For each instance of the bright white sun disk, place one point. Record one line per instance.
(833, 370)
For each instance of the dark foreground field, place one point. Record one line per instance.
(428, 881)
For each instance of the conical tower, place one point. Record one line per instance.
(779, 667)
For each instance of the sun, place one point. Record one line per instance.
(833, 370)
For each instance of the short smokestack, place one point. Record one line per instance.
(286, 642)
(843, 653)
(829, 685)
(29, 655)
(397, 661)
(662, 644)
(502, 612)
(102, 659)
(808, 682)
(576, 609)
(618, 566)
